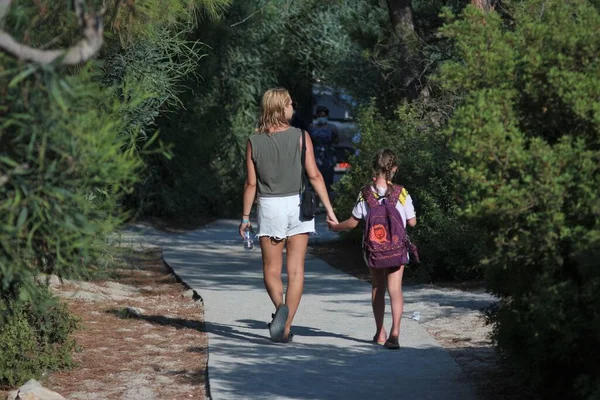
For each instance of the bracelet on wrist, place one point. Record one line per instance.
(245, 221)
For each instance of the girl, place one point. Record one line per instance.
(384, 168)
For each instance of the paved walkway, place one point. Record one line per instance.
(331, 357)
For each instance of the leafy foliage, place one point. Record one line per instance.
(64, 163)
(72, 143)
(257, 45)
(526, 141)
(381, 64)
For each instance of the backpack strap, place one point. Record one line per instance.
(403, 196)
(369, 197)
(395, 194)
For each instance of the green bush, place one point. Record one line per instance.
(35, 337)
(72, 139)
(526, 141)
(447, 245)
(66, 166)
(71, 147)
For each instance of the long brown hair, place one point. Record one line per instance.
(272, 109)
(384, 163)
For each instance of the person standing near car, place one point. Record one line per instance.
(324, 135)
(274, 169)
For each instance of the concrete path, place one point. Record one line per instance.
(331, 357)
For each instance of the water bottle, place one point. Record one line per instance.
(248, 242)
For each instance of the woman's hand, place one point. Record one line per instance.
(331, 217)
(243, 227)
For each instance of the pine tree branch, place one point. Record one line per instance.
(93, 30)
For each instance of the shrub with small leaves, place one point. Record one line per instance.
(526, 140)
(35, 337)
(71, 146)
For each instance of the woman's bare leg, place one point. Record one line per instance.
(272, 256)
(296, 253)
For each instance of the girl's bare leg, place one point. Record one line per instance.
(394, 286)
(378, 283)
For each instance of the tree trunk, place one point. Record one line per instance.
(401, 15)
(485, 5)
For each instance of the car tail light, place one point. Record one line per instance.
(343, 165)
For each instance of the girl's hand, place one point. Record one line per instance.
(331, 224)
(243, 227)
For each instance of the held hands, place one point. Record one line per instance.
(331, 220)
(346, 225)
(332, 225)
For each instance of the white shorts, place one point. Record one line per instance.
(279, 217)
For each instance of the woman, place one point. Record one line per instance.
(273, 167)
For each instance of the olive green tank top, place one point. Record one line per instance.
(277, 159)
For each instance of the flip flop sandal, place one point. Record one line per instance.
(379, 342)
(391, 344)
(277, 325)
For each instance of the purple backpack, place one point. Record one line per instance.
(386, 243)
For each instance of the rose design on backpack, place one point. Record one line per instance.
(378, 234)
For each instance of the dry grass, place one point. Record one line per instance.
(160, 354)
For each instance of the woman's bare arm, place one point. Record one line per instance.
(249, 188)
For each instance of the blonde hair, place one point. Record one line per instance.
(272, 109)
